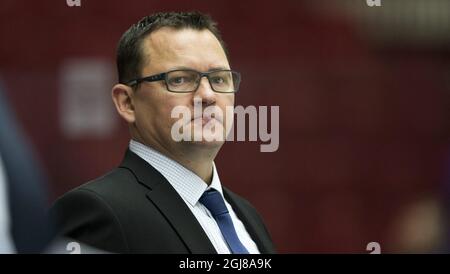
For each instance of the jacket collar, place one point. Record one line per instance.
(171, 205)
(255, 228)
(168, 201)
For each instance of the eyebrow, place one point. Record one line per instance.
(189, 68)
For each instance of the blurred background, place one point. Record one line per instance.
(364, 96)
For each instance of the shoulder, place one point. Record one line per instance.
(90, 211)
(116, 179)
(109, 193)
(251, 219)
(111, 188)
(242, 206)
(232, 197)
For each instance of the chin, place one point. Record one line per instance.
(208, 141)
(212, 143)
(205, 135)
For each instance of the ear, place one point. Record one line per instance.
(122, 98)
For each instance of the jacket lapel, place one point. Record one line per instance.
(171, 205)
(254, 227)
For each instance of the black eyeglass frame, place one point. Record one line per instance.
(163, 77)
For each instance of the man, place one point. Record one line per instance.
(166, 196)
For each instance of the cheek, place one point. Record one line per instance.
(226, 105)
(147, 111)
(225, 100)
(168, 105)
(144, 117)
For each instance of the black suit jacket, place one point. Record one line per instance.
(134, 209)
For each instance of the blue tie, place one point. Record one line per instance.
(213, 201)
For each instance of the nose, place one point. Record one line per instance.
(205, 92)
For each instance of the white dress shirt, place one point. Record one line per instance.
(191, 187)
(6, 245)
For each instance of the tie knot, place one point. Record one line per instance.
(213, 201)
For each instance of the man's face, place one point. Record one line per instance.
(169, 49)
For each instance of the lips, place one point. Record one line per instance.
(206, 119)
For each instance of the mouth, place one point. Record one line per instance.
(204, 120)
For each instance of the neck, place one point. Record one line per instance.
(194, 157)
(199, 162)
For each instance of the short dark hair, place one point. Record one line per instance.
(129, 51)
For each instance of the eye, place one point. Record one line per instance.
(179, 80)
(218, 80)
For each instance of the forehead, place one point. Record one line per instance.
(168, 48)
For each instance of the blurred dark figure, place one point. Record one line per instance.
(23, 184)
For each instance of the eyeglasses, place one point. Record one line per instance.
(184, 81)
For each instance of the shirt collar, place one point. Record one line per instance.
(215, 182)
(185, 182)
